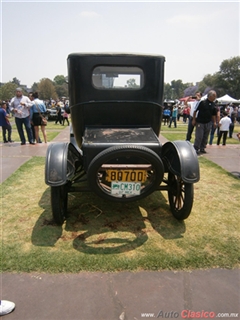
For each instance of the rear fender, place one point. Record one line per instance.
(180, 158)
(60, 165)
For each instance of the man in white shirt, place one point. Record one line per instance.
(20, 106)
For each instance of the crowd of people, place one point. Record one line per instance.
(206, 117)
(30, 114)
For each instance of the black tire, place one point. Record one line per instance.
(59, 202)
(180, 196)
(125, 154)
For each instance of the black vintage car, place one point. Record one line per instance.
(114, 150)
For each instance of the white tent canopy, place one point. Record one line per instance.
(227, 99)
(224, 99)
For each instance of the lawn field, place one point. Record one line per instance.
(180, 132)
(52, 131)
(104, 236)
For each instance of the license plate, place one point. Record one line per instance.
(128, 188)
(126, 175)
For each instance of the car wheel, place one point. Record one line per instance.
(59, 202)
(125, 156)
(180, 196)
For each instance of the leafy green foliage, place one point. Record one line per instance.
(61, 90)
(16, 81)
(175, 90)
(225, 81)
(47, 89)
(131, 83)
(59, 80)
(228, 78)
(8, 90)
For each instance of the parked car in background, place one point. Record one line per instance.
(52, 113)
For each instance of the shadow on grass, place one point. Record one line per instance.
(97, 226)
(45, 231)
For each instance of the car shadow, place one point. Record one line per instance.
(162, 219)
(97, 226)
(45, 231)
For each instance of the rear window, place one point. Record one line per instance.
(115, 77)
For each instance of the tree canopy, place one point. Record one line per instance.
(47, 89)
(59, 80)
(131, 83)
(8, 90)
(225, 81)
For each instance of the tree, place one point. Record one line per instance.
(62, 90)
(59, 80)
(16, 81)
(228, 78)
(7, 91)
(46, 89)
(131, 83)
(167, 91)
(225, 81)
(35, 87)
(175, 90)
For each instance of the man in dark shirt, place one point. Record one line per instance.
(203, 117)
(59, 114)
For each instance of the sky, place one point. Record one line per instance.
(194, 37)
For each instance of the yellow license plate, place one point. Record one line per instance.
(126, 175)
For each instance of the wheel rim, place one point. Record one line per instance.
(180, 196)
(177, 189)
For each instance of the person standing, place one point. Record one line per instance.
(65, 117)
(36, 113)
(59, 114)
(203, 117)
(5, 123)
(224, 127)
(174, 116)
(233, 117)
(186, 112)
(166, 115)
(193, 107)
(65, 113)
(20, 106)
(213, 128)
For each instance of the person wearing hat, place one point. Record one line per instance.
(20, 106)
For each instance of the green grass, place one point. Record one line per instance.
(180, 132)
(105, 236)
(52, 131)
(181, 127)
